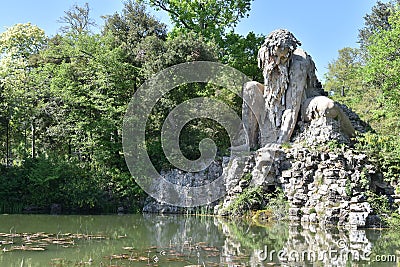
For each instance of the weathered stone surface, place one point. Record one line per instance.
(323, 177)
(321, 106)
(313, 218)
(287, 174)
(305, 218)
(288, 73)
(358, 219)
(328, 173)
(152, 206)
(294, 212)
(264, 159)
(320, 131)
(233, 172)
(180, 177)
(325, 198)
(360, 207)
(253, 110)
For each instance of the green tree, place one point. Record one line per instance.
(19, 48)
(4, 129)
(215, 20)
(158, 55)
(343, 73)
(200, 33)
(132, 26)
(376, 21)
(383, 68)
(210, 18)
(381, 76)
(63, 99)
(77, 19)
(91, 89)
(88, 86)
(346, 76)
(241, 53)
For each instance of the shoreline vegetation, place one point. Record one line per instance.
(63, 98)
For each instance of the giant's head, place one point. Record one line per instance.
(277, 49)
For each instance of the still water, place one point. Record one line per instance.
(153, 240)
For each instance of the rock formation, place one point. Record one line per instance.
(303, 144)
(321, 106)
(324, 181)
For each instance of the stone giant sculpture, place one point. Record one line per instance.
(290, 83)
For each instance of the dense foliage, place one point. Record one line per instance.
(368, 81)
(63, 98)
(210, 18)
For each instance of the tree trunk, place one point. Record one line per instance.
(69, 149)
(25, 140)
(33, 138)
(8, 143)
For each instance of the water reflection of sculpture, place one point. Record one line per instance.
(286, 245)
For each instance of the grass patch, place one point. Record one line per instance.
(250, 199)
(286, 145)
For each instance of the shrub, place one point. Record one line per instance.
(385, 151)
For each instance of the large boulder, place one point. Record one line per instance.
(321, 106)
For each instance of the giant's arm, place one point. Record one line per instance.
(253, 111)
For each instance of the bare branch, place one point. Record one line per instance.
(77, 19)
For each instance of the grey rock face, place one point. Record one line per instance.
(189, 179)
(322, 185)
(335, 194)
(323, 178)
(321, 106)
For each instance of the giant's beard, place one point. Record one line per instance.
(276, 81)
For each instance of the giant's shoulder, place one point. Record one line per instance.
(300, 53)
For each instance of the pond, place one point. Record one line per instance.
(155, 240)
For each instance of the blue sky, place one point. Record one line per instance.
(323, 27)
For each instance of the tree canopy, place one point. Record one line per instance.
(77, 19)
(63, 99)
(383, 68)
(211, 18)
(367, 80)
(376, 21)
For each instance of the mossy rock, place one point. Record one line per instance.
(262, 217)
